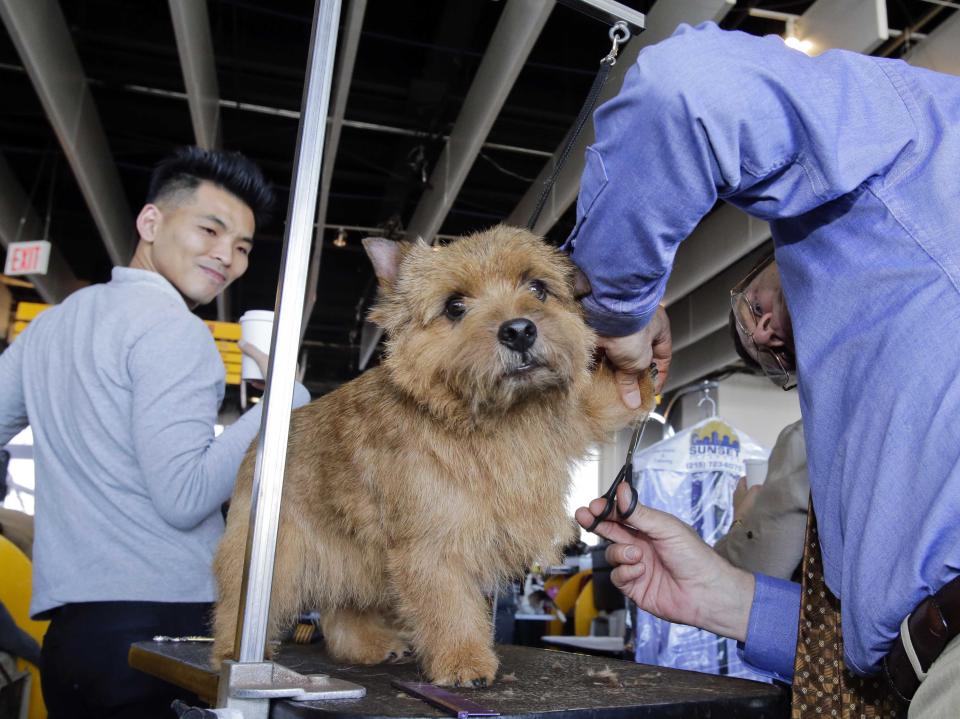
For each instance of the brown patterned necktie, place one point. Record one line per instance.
(822, 685)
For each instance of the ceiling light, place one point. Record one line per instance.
(804, 46)
(341, 239)
(793, 41)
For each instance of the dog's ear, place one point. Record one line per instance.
(581, 285)
(385, 255)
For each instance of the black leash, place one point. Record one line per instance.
(620, 35)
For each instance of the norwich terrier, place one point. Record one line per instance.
(442, 473)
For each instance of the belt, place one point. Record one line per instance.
(923, 636)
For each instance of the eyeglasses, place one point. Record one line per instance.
(773, 361)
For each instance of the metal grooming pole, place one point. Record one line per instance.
(248, 684)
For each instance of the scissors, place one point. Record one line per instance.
(625, 473)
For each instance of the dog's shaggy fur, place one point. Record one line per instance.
(444, 471)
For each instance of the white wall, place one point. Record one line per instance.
(758, 407)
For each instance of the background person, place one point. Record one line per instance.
(121, 384)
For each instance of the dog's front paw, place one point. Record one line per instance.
(473, 666)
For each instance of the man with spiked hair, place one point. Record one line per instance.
(121, 384)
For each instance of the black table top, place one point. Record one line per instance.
(531, 683)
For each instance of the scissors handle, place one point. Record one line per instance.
(634, 500)
(610, 496)
(611, 502)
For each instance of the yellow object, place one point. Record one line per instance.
(584, 611)
(224, 330)
(28, 310)
(551, 585)
(566, 598)
(15, 592)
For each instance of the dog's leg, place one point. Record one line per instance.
(228, 570)
(288, 585)
(362, 637)
(448, 619)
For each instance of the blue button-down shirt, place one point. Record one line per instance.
(855, 162)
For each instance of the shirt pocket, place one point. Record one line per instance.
(593, 181)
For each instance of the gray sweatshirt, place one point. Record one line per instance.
(121, 384)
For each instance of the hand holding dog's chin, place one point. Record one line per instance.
(667, 570)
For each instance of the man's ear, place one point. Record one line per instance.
(148, 222)
(581, 285)
(385, 255)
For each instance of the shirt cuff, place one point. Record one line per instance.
(614, 324)
(772, 632)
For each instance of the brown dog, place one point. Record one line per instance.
(444, 471)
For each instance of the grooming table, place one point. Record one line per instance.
(549, 685)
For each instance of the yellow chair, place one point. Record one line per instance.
(584, 611)
(15, 592)
(567, 597)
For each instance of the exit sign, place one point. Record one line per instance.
(27, 258)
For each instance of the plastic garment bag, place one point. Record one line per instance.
(692, 475)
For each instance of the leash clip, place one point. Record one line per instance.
(619, 35)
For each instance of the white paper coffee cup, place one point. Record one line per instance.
(756, 471)
(256, 328)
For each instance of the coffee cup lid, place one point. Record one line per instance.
(254, 315)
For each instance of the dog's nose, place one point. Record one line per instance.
(518, 334)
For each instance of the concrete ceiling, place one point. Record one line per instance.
(444, 115)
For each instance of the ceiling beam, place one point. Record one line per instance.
(609, 12)
(721, 238)
(939, 50)
(516, 33)
(518, 29)
(39, 32)
(661, 22)
(707, 309)
(19, 222)
(694, 361)
(346, 58)
(191, 28)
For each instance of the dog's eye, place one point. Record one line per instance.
(538, 289)
(455, 307)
